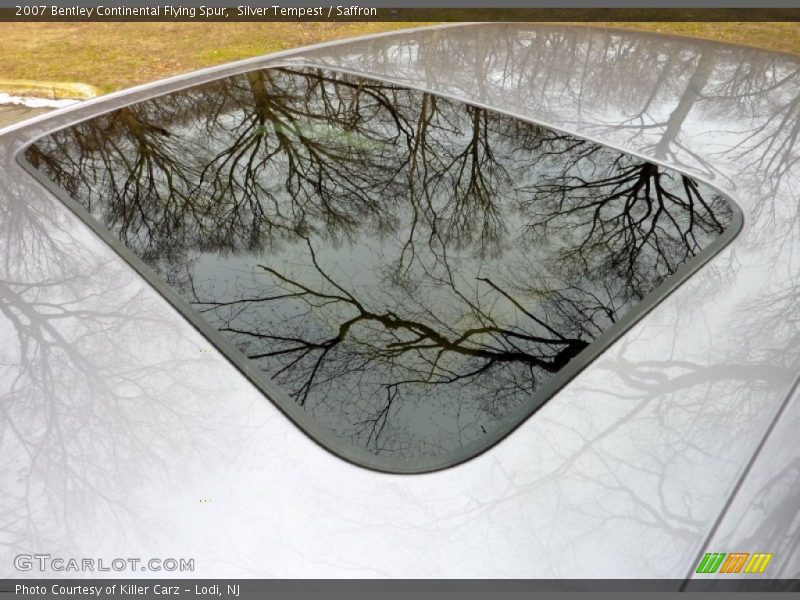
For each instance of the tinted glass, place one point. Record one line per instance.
(407, 276)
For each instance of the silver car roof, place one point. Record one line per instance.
(123, 433)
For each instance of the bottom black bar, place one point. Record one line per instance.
(228, 589)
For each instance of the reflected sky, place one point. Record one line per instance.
(409, 270)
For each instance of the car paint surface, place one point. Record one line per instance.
(123, 433)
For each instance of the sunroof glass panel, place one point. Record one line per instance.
(408, 276)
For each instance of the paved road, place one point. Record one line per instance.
(11, 113)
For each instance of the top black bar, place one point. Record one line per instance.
(268, 11)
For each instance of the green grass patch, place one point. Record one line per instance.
(111, 56)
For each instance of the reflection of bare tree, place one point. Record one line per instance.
(442, 215)
(150, 192)
(467, 173)
(489, 345)
(629, 219)
(285, 133)
(75, 403)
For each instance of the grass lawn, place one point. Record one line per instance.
(111, 56)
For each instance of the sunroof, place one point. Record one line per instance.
(407, 276)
